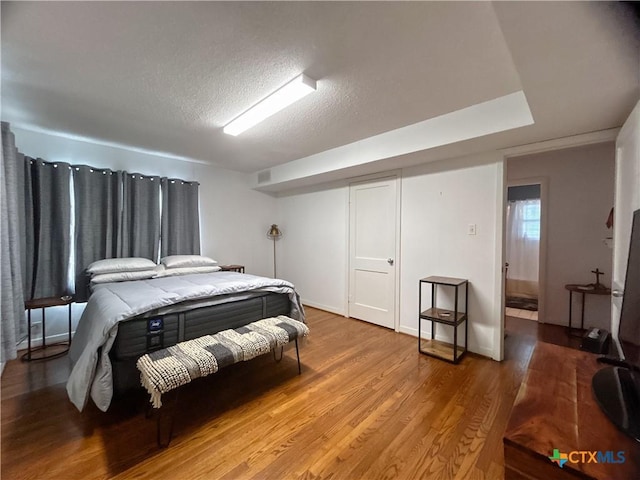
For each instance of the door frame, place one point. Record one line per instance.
(542, 254)
(391, 174)
(601, 136)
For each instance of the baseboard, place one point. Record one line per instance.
(326, 308)
(484, 351)
(409, 331)
(51, 339)
(2, 364)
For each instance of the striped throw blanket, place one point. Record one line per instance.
(172, 367)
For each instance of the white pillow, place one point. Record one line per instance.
(123, 276)
(170, 272)
(179, 261)
(111, 265)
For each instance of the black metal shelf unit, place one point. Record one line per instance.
(453, 318)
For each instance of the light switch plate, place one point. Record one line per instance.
(472, 229)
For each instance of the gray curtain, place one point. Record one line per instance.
(180, 218)
(12, 322)
(26, 203)
(140, 227)
(52, 228)
(98, 216)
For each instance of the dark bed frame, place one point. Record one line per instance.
(147, 333)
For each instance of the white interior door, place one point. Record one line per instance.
(627, 200)
(372, 251)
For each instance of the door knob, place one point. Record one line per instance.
(390, 261)
(617, 293)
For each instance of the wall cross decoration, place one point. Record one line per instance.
(598, 273)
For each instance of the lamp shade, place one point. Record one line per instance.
(274, 232)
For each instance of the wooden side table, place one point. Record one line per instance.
(232, 268)
(591, 289)
(44, 303)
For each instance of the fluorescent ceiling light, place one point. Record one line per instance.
(278, 100)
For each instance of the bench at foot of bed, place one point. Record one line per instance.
(169, 368)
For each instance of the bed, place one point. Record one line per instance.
(124, 320)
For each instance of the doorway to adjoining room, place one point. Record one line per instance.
(523, 251)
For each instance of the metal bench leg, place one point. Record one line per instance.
(278, 360)
(172, 415)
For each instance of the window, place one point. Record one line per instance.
(531, 220)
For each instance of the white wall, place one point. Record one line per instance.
(438, 201)
(627, 200)
(313, 250)
(234, 217)
(580, 196)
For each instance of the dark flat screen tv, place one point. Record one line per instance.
(617, 388)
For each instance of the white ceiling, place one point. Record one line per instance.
(167, 76)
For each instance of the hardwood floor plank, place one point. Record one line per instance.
(366, 406)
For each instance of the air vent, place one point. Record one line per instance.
(264, 176)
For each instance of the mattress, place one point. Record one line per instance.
(144, 334)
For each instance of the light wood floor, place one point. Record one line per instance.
(367, 405)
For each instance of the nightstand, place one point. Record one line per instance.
(44, 303)
(232, 268)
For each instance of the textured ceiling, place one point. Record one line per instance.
(167, 76)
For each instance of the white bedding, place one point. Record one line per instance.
(112, 303)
